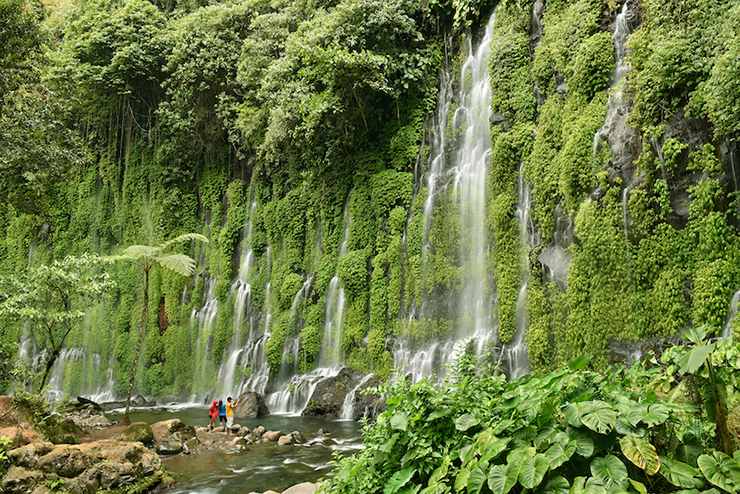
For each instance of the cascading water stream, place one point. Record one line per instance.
(727, 331)
(201, 324)
(463, 179)
(516, 350)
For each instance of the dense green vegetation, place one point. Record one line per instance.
(567, 431)
(132, 122)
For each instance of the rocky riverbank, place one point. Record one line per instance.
(85, 452)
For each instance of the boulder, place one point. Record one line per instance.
(66, 461)
(298, 438)
(28, 456)
(139, 432)
(170, 436)
(328, 396)
(286, 440)
(140, 401)
(304, 488)
(64, 432)
(20, 480)
(272, 436)
(251, 405)
(258, 431)
(239, 443)
(368, 405)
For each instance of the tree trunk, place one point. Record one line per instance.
(49, 364)
(142, 327)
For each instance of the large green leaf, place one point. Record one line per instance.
(572, 415)
(182, 238)
(641, 453)
(695, 334)
(584, 443)
(517, 456)
(657, 414)
(400, 421)
(636, 413)
(501, 478)
(438, 413)
(557, 455)
(477, 478)
(679, 474)
(441, 471)
(178, 263)
(592, 485)
(533, 470)
(639, 487)
(554, 485)
(465, 422)
(610, 470)
(495, 448)
(398, 480)
(694, 358)
(623, 427)
(597, 416)
(580, 362)
(721, 470)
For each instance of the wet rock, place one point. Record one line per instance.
(286, 440)
(368, 405)
(171, 436)
(272, 436)
(258, 431)
(140, 401)
(139, 432)
(328, 396)
(251, 405)
(239, 443)
(20, 480)
(298, 438)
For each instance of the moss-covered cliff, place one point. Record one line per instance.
(296, 135)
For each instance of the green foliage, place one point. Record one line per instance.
(593, 65)
(52, 300)
(570, 427)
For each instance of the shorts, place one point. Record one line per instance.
(229, 422)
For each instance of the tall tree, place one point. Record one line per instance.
(52, 299)
(147, 257)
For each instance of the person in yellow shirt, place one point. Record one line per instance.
(230, 415)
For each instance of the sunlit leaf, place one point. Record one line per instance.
(501, 478)
(679, 474)
(533, 470)
(641, 453)
(610, 470)
(721, 470)
(465, 422)
(597, 416)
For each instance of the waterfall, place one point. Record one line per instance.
(516, 350)
(331, 352)
(241, 289)
(456, 172)
(727, 332)
(201, 325)
(348, 406)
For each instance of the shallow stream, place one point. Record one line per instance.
(263, 466)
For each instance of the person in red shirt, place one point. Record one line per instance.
(213, 413)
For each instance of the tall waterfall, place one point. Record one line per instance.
(456, 173)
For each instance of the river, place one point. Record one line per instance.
(263, 466)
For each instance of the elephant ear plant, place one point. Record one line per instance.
(572, 431)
